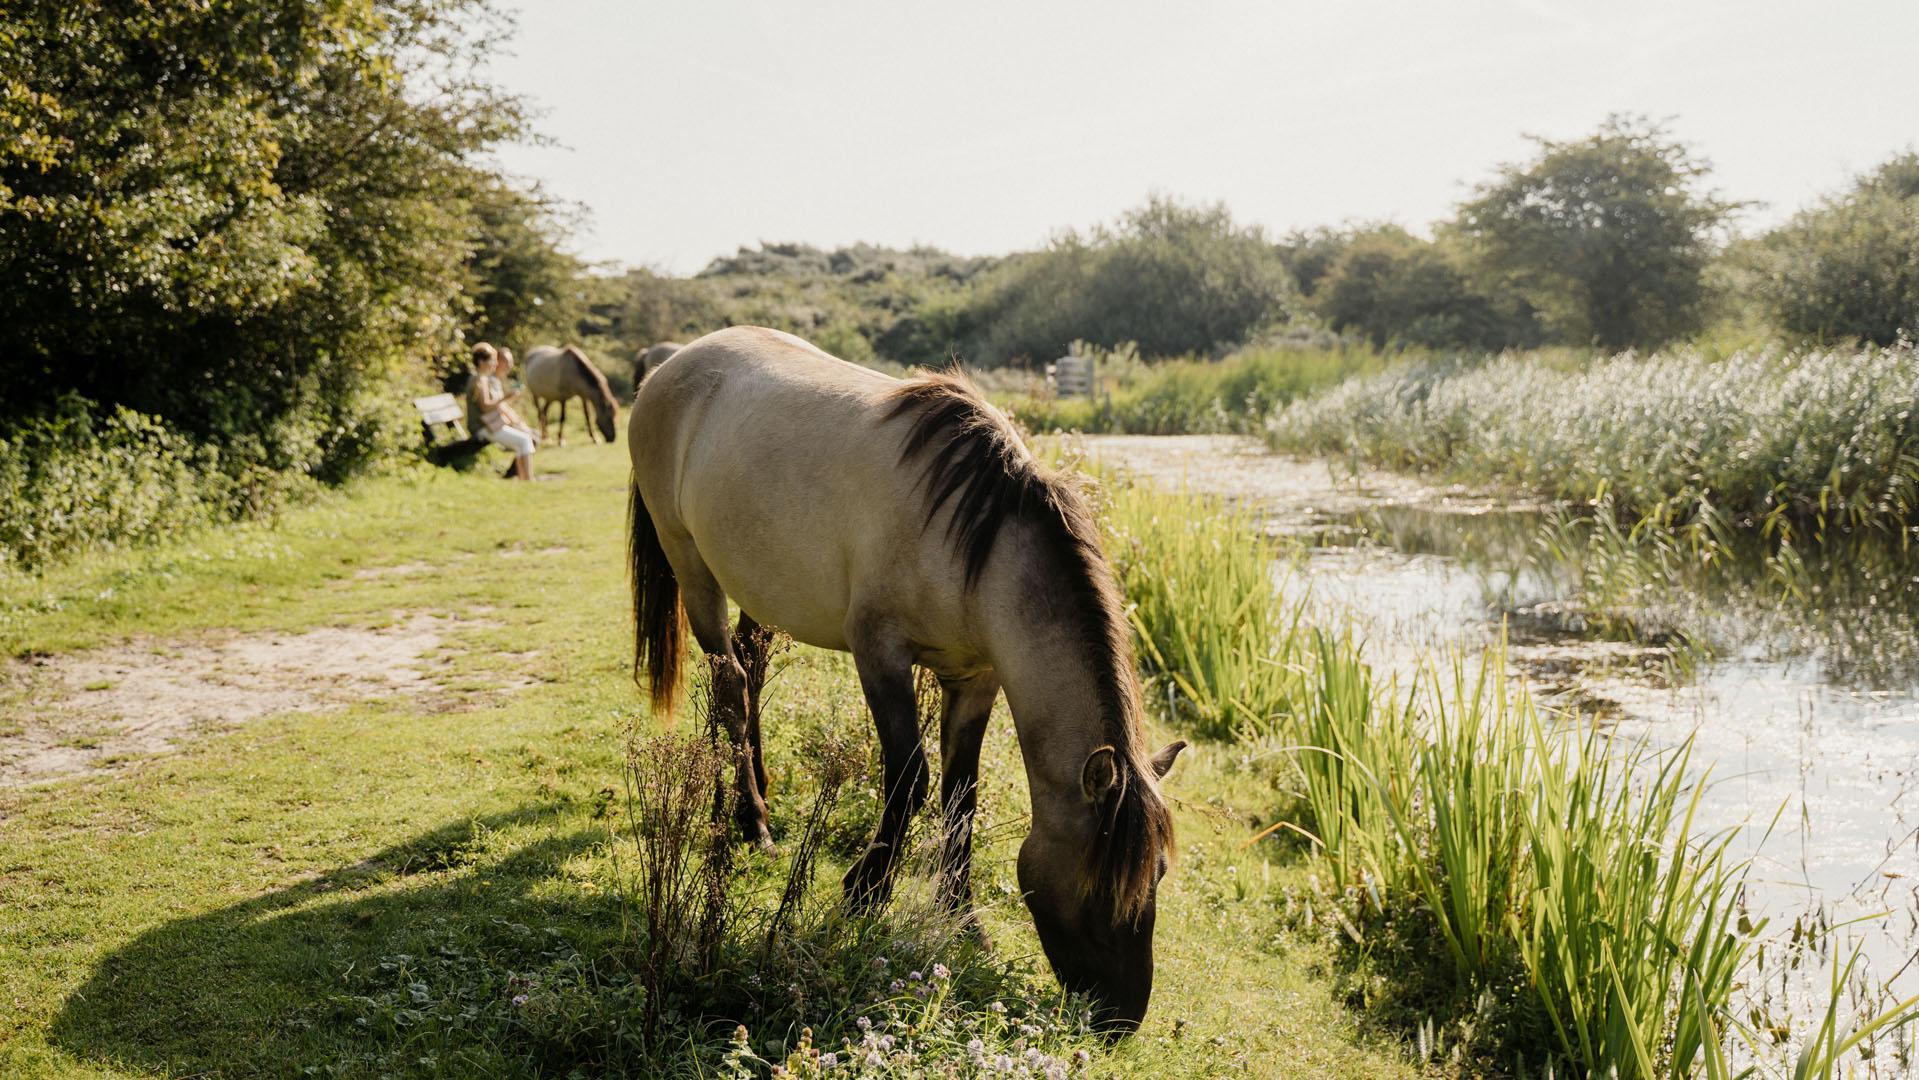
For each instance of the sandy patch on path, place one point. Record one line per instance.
(78, 713)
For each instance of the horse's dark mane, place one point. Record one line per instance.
(593, 376)
(974, 461)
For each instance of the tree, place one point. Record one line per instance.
(1849, 267)
(1310, 254)
(242, 216)
(521, 284)
(1175, 279)
(1398, 289)
(1607, 236)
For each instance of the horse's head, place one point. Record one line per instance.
(603, 416)
(1090, 876)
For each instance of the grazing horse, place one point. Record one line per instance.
(906, 523)
(556, 374)
(651, 357)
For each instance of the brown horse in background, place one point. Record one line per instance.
(905, 522)
(651, 357)
(558, 374)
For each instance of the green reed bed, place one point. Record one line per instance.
(1580, 921)
(1794, 443)
(1226, 643)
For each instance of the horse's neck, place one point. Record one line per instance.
(1054, 676)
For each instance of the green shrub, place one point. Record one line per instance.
(1400, 290)
(1190, 396)
(71, 482)
(1172, 279)
(198, 224)
(1849, 267)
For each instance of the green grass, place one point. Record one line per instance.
(239, 907)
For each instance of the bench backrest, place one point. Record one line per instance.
(439, 409)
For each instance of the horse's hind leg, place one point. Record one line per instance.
(752, 643)
(968, 703)
(562, 439)
(886, 675)
(705, 606)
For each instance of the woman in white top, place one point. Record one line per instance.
(489, 415)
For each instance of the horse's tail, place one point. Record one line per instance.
(659, 622)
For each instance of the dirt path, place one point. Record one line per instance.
(85, 712)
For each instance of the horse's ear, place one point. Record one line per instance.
(1163, 761)
(1099, 777)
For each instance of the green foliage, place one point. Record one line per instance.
(245, 220)
(1227, 648)
(524, 290)
(1849, 267)
(861, 303)
(1309, 255)
(71, 482)
(1608, 237)
(1173, 279)
(1188, 396)
(1400, 290)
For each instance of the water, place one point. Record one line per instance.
(1796, 679)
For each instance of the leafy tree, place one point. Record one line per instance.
(1173, 278)
(242, 216)
(1849, 267)
(1607, 236)
(1309, 254)
(1400, 290)
(523, 287)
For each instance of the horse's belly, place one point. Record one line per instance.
(808, 602)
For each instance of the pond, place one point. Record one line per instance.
(1797, 677)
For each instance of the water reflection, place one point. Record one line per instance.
(1844, 613)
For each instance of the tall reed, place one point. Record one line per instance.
(1795, 443)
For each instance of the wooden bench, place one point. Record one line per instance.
(446, 411)
(441, 409)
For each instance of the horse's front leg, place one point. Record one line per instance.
(968, 703)
(886, 675)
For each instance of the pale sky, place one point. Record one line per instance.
(687, 130)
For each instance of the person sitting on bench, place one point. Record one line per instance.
(490, 417)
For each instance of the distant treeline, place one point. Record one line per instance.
(1611, 242)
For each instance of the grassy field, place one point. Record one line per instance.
(354, 891)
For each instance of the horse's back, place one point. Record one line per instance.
(778, 463)
(544, 371)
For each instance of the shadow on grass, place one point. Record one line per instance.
(255, 989)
